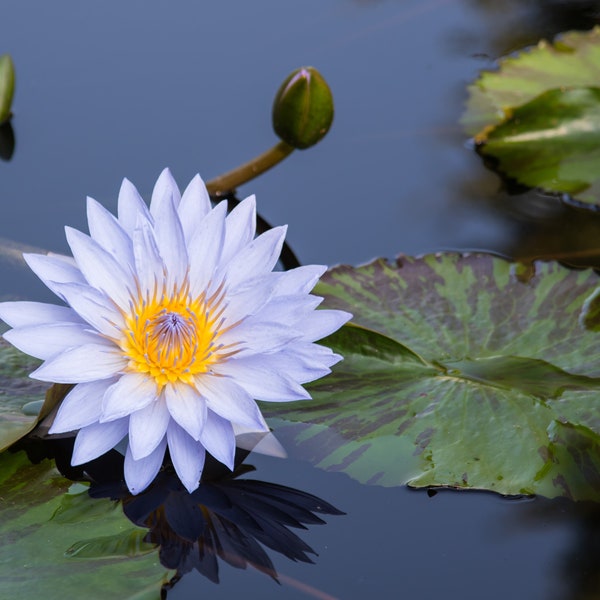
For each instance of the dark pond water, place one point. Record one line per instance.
(115, 89)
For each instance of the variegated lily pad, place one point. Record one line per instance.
(466, 371)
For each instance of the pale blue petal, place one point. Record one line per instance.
(97, 439)
(80, 407)
(45, 341)
(147, 428)
(294, 363)
(230, 401)
(300, 280)
(26, 314)
(249, 301)
(322, 323)
(171, 243)
(100, 269)
(195, 205)
(290, 309)
(187, 455)
(132, 392)
(218, 439)
(83, 363)
(53, 270)
(149, 266)
(241, 227)
(139, 474)
(258, 258)
(261, 382)
(204, 249)
(186, 407)
(131, 207)
(106, 230)
(256, 336)
(165, 189)
(94, 307)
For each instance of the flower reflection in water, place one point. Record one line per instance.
(225, 517)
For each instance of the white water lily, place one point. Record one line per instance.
(175, 324)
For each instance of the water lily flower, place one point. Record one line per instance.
(174, 324)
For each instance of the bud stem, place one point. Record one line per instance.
(221, 185)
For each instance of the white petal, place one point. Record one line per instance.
(230, 401)
(186, 407)
(132, 392)
(258, 258)
(45, 341)
(241, 227)
(194, 206)
(97, 439)
(139, 474)
(261, 382)
(94, 307)
(171, 243)
(302, 361)
(290, 309)
(249, 302)
(80, 407)
(204, 249)
(218, 439)
(300, 280)
(165, 189)
(100, 269)
(26, 314)
(68, 259)
(187, 455)
(52, 270)
(322, 323)
(292, 362)
(149, 266)
(147, 428)
(254, 335)
(83, 363)
(106, 230)
(131, 207)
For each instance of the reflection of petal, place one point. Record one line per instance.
(225, 518)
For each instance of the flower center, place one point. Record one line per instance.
(173, 337)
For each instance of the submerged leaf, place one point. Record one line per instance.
(505, 356)
(573, 60)
(552, 142)
(538, 115)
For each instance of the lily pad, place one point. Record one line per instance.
(572, 61)
(56, 542)
(466, 371)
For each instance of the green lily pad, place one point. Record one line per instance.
(466, 371)
(56, 542)
(572, 61)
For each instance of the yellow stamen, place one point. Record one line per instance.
(171, 336)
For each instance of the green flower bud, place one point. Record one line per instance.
(303, 108)
(7, 86)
